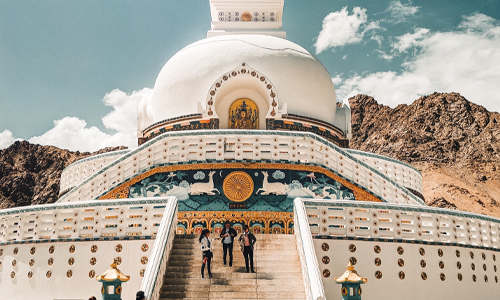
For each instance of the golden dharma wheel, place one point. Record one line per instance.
(238, 186)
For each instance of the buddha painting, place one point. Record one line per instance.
(244, 114)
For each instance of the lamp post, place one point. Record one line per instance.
(351, 284)
(112, 282)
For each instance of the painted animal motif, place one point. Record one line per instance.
(199, 188)
(276, 188)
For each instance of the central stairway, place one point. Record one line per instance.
(276, 262)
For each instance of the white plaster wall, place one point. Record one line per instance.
(298, 77)
(412, 287)
(79, 286)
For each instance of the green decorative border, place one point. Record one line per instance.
(241, 132)
(170, 120)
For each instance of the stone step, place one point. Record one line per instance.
(196, 254)
(182, 295)
(261, 283)
(258, 246)
(282, 256)
(276, 262)
(236, 275)
(236, 267)
(236, 263)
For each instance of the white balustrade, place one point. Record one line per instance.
(89, 219)
(406, 222)
(308, 260)
(80, 170)
(255, 145)
(400, 172)
(152, 282)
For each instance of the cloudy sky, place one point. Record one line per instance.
(72, 72)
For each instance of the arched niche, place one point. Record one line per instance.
(242, 82)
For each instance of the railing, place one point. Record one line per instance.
(402, 222)
(152, 282)
(404, 174)
(238, 145)
(309, 262)
(89, 219)
(80, 170)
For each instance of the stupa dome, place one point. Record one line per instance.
(184, 84)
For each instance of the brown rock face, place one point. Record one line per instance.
(30, 174)
(455, 144)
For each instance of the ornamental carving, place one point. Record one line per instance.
(238, 186)
(247, 72)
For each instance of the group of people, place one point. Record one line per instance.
(246, 240)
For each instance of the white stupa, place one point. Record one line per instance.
(243, 126)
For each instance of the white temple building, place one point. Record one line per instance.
(244, 126)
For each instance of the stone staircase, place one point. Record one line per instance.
(276, 262)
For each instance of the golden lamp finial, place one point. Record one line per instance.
(350, 275)
(113, 274)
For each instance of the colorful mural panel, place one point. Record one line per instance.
(258, 190)
(238, 188)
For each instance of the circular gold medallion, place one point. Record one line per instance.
(246, 17)
(238, 186)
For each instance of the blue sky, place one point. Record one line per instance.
(71, 72)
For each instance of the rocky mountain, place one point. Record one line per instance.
(30, 174)
(453, 142)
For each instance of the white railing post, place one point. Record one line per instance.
(152, 281)
(310, 268)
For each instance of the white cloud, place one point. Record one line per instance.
(384, 55)
(409, 40)
(340, 28)
(401, 12)
(7, 139)
(464, 61)
(72, 133)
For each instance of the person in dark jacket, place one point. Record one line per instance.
(247, 241)
(227, 235)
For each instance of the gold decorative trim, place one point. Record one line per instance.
(122, 191)
(197, 220)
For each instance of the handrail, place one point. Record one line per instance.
(310, 268)
(152, 281)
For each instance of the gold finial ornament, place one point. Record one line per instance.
(351, 275)
(113, 274)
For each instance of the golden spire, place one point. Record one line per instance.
(350, 275)
(113, 274)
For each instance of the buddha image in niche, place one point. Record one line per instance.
(243, 114)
